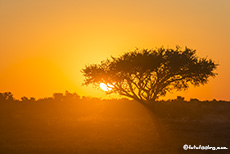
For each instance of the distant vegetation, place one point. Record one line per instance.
(171, 108)
(7, 97)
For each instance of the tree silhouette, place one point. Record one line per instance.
(6, 97)
(145, 75)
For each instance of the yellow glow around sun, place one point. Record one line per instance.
(106, 87)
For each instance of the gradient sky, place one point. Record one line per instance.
(45, 43)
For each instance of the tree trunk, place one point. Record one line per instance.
(160, 130)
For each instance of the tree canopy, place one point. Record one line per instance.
(146, 74)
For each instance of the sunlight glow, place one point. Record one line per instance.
(106, 87)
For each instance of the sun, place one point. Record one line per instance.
(106, 87)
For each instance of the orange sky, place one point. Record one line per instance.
(45, 43)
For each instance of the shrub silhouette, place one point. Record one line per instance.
(6, 97)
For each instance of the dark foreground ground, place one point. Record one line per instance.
(111, 127)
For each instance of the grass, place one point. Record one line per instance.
(111, 127)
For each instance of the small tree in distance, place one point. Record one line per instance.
(145, 75)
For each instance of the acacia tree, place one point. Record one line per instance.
(145, 75)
